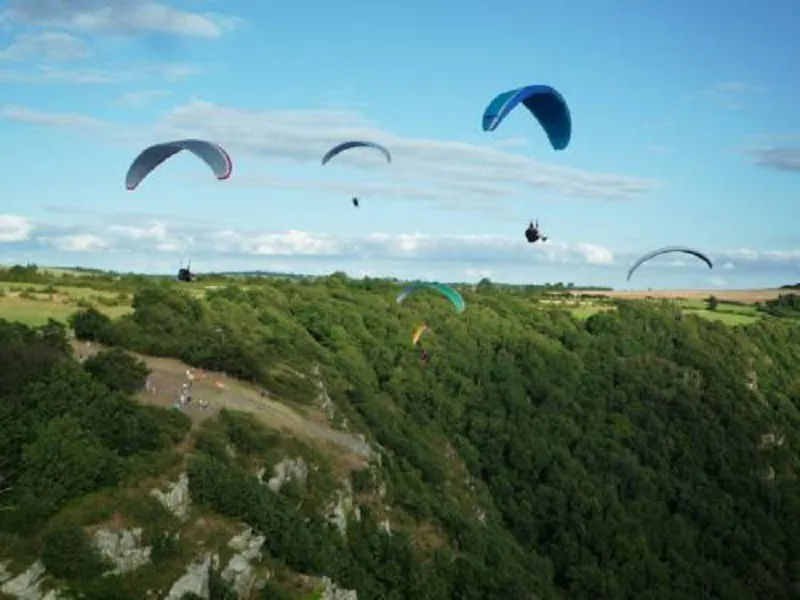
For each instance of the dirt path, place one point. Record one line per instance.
(219, 391)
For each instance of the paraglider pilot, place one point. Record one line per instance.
(355, 202)
(532, 233)
(424, 356)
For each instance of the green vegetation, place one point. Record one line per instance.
(641, 452)
(785, 306)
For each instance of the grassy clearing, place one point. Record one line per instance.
(727, 318)
(34, 312)
(745, 296)
(34, 305)
(584, 312)
(62, 291)
(722, 307)
(729, 314)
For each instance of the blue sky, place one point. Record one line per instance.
(685, 131)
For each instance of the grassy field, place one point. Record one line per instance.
(746, 296)
(35, 304)
(736, 307)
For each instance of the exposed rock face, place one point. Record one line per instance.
(334, 592)
(240, 572)
(289, 469)
(323, 399)
(176, 499)
(195, 580)
(122, 548)
(343, 508)
(5, 574)
(26, 585)
(769, 440)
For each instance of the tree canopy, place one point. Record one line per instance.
(641, 453)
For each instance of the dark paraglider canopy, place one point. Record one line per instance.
(185, 274)
(339, 148)
(666, 250)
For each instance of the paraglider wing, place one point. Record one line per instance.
(544, 102)
(212, 154)
(418, 334)
(445, 290)
(666, 250)
(355, 144)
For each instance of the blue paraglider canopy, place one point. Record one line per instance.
(544, 102)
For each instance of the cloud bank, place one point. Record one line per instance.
(153, 245)
(450, 172)
(120, 17)
(54, 39)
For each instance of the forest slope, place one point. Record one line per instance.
(639, 454)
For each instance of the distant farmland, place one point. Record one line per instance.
(746, 296)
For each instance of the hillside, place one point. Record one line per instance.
(637, 451)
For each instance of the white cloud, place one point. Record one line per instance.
(65, 120)
(82, 242)
(44, 73)
(50, 74)
(141, 98)
(155, 235)
(728, 95)
(457, 167)
(596, 255)
(45, 46)
(718, 281)
(14, 228)
(476, 250)
(159, 237)
(477, 274)
(510, 143)
(127, 17)
(159, 244)
(450, 172)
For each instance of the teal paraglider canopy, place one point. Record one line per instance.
(210, 153)
(544, 103)
(355, 144)
(445, 290)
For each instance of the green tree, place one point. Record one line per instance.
(68, 553)
(118, 370)
(90, 324)
(63, 463)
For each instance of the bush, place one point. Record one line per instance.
(68, 554)
(118, 370)
(246, 434)
(91, 325)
